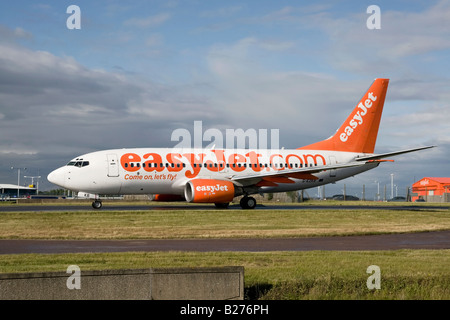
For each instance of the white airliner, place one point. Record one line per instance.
(217, 176)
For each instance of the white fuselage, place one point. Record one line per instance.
(168, 170)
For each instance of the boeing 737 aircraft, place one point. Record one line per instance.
(217, 176)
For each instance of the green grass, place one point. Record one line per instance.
(159, 224)
(405, 274)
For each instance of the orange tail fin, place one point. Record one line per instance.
(359, 132)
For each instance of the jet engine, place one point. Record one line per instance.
(209, 191)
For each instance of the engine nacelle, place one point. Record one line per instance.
(209, 191)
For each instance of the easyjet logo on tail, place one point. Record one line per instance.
(358, 118)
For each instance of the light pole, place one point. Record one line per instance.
(392, 185)
(18, 180)
(32, 182)
(378, 190)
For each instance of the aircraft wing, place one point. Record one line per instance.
(390, 154)
(283, 176)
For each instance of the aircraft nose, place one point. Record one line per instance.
(56, 177)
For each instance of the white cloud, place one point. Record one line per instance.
(403, 34)
(154, 40)
(221, 12)
(150, 21)
(294, 101)
(55, 108)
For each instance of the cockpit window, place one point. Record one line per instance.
(78, 163)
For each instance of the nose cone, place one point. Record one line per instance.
(57, 177)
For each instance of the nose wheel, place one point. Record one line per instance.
(97, 204)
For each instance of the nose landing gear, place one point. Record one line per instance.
(97, 204)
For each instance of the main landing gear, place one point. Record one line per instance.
(97, 204)
(248, 202)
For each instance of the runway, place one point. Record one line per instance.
(125, 207)
(422, 240)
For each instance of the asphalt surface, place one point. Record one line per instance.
(422, 240)
(115, 207)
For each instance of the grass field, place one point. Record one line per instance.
(212, 223)
(405, 274)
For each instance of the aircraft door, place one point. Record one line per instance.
(113, 165)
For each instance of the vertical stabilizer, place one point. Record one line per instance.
(359, 131)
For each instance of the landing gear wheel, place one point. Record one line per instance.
(96, 204)
(248, 203)
(221, 205)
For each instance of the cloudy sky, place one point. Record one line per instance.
(138, 70)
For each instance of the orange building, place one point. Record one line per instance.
(432, 189)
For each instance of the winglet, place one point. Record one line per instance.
(359, 131)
